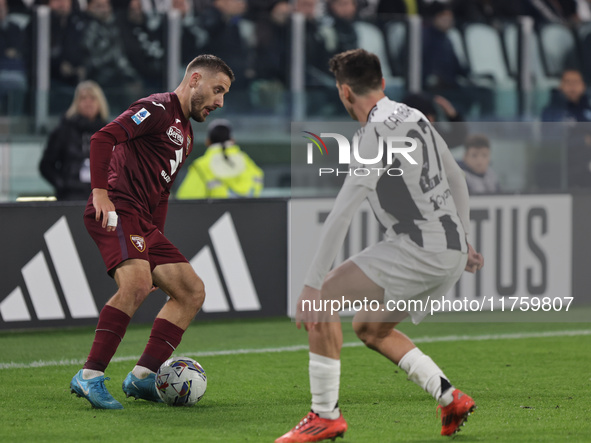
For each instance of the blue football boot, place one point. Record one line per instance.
(144, 388)
(94, 391)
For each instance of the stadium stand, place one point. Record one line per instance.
(491, 64)
(267, 88)
(371, 38)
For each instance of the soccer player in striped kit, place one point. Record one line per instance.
(424, 212)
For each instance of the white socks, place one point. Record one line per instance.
(87, 374)
(141, 372)
(425, 373)
(325, 377)
(138, 371)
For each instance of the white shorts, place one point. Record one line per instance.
(406, 271)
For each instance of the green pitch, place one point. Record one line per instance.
(530, 381)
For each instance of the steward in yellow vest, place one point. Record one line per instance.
(224, 171)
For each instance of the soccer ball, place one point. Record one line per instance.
(181, 381)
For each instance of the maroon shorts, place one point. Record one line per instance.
(134, 237)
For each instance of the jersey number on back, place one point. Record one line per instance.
(426, 138)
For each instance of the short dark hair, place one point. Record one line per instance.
(212, 63)
(359, 69)
(219, 131)
(477, 141)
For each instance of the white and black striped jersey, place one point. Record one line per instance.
(418, 202)
(428, 200)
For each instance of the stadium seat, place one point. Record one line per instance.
(484, 50)
(21, 20)
(542, 83)
(558, 48)
(247, 31)
(371, 38)
(510, 37)
(457, 41)
(397, 44)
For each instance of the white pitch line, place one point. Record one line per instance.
(447, 338)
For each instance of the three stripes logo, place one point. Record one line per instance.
(41, 288)
(234, 270)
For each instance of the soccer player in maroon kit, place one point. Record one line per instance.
(134, 161)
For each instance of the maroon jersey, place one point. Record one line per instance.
(146, 157)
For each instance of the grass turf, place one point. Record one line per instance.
(526, 389)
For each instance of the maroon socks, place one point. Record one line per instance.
(112, 324)
(164, 339)
(110, 330)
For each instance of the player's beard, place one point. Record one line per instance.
(197, 107)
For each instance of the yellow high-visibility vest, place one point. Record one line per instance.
(411, 7)
(214, 176)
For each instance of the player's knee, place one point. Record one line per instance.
(369, 334)
(329, 287)
(195, 294)
(136, 291)
(362, 331)
(198, 294)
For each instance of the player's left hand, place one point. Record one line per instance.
(475, 260)
(308, 316)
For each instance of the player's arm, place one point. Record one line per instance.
(459, 192)
(355, 189)
(101, 149)
(141, 118)
(457, 185)
(333, 233)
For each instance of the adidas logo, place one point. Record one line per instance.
(234, 279)
(234, 269)
(41, 288)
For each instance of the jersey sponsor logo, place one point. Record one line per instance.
(188, 144)
(139, 242)
(159, 104)
(176, 120)
(175, 135)
(440, 200)
(165, 176)
(140, 116)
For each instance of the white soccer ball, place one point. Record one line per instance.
(181, 381)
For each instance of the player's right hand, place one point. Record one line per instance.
(475, 260)
(304, 311)
(103, 205)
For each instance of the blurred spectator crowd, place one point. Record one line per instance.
(122, 44)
